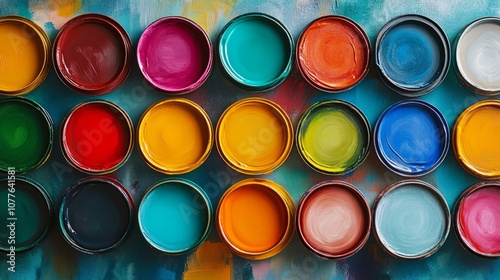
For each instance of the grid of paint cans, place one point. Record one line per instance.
(261, 124)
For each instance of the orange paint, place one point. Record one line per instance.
(255, 218)
(333, 53)
(210, 261)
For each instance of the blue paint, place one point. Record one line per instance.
(95, 215)
(412, 54)
(175, 216)
(411, 220)
(411, 138)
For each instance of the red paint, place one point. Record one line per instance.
(96, 137)
(92, 54)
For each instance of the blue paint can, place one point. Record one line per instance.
(412, 54)
(411, 138)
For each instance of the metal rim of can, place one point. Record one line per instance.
(357, 113)
(196, 27)
(208, 204)
(287, 201)
(106, 22)
(237, 81)
(362, 202)
(469, 167)
(124, 117)
(444, 127)
(195, 108)
(80, 184)
(444, 43)
(50, 127)
(362, 34)
(456, 210)
(285, 122)
(47, 62)
(465, 81)
(50, 208)
(440, 199)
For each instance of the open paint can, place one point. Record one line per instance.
(333, 53)
(26, 58)
(412, 54)
(477, 219)
(255, 218)
(333, 219)
(175, 55)
(175, 216)
(411, 219)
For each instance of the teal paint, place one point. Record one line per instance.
(32, 210)
(256, 50)
(175, 216)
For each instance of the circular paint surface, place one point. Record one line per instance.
(95, 215)
(175, 55)
(26, 133)
(175, 216)
(97, 137)
(333, 53)
(33, 213)
(412, 54)
(478, 55)
(256, 51)
(478, 219)
(175, 136)
(476, 139)
(25, 51)
(333, 220)
(412, 219)
(411, 138)
(254, 218)
(92, 54)
(333, 137)
(254, 136)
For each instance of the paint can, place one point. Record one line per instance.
(475, 139)
(477, 57)
(26, 59)
(27, 206)
(254, 136)
(477, 219)
(92, 54)
(175, 216)
(97, 137)
(333, 137)
(333, 53)
(256, 218)
(96, 214)
(411, 219)
(333, 219)
(411, 138)
(412, 54)
(26, 134)
(175, 55)
(255, 51)
(175, 136)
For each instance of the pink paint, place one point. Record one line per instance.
(175, 55)
(333, 219)
(478, 219)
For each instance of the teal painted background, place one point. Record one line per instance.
(54, 259)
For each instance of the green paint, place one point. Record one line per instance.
(333, 139)
(33, 210)
(25, 134)
(256, 51)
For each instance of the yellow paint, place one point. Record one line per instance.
(477, 139)
(22, 56)
(210, 261)
(66, 8)
(175, 136)
(208, 14)
(254, 136)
